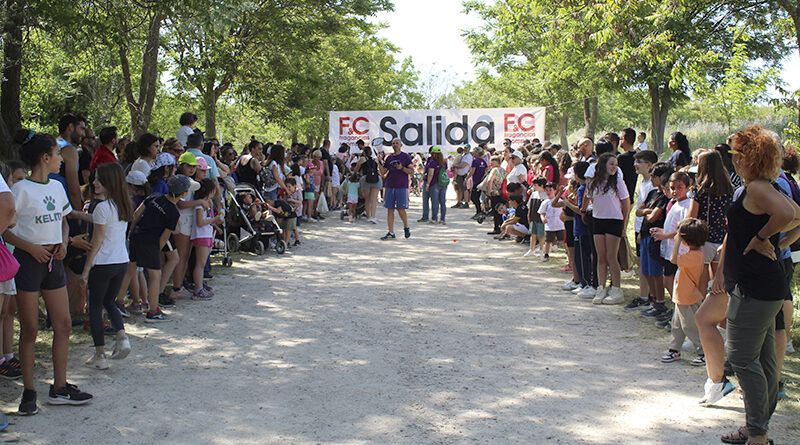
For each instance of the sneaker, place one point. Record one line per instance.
(781, 390)
(600, 295)
(666, 316)
(122, 347)
(181, 294)
(27, 406)
(700, 360)
(636, 303)
(789, 347)
(671, 356)
(135, 309)
(664, 324)
(15, 363)
(388, 236)
(202, 295)
(443, 222)
(68, 395)
(714, 392)
(407, 231)
(587, 293)
(9, 372)
(570, 285)
(165, 301)
(122, 310)
(546, 258)
(537, 251)
(493, 232)
(457, 206)
(656, 310)
(296, 242)
(155, 316)
(614, 296)
(421, 220)
(528, 253)
(373, 221)
(433, 221)
(97, 361)
(578, 289)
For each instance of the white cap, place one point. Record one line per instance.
(517, 154)
(136, 177)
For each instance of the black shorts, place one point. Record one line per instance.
(607, 227)
(34, 276)
(169, 246)
(670, 269)
(569, 230)
(554, 236)
(145, 253)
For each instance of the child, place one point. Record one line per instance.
(686, 296)
(653, 211)
(493, 188)
(537, 225)
(203, 237)
(352, 196)
(551, 217)
(642, 162)
(516, 224)
(183, 234)
(295, 198)
(12, 172)
(107, 261)
(336, 175)
(286, 211)
(42, 207)
(154, 221)
(134, 280)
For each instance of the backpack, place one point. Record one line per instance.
(443, 179)
(370, 170)
(267, 177)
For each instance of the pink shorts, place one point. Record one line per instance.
(203, 242)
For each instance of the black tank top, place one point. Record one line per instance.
(245, 173)
(757, 276)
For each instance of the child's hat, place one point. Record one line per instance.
(188, 158)
(436, 149)
(135, 177)
(517, 154)
(202, 164)
(163, 159)
(180, 184)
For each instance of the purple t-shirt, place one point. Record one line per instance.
(432, 164)
(397, 179)
(480, 169)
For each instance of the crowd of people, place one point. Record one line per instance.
(123, 227)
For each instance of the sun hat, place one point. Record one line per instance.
(202, 164)
(163, 159)
(188, 158)
(135, 177)
(517, 154)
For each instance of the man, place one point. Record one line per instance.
(614, 139)
(396, 169)
(477, 171)
(187, 121)
(642, 145)
(85, 153)
(71, 129)
(625, 160)
(586, 150)
(104, 154)
(460, 183)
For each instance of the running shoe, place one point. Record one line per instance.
(180, 294)
(615, 296)
(27, 406)
(600, 295)
(97, 361)
(155, 316)
(528, 253)
(68, 395)
(546, 258)
(636, 303)
(15, 363)
(570, 285)
(700, 360)
(664, 324)
(9, 372)
(202, 295)
(714, 392)
(421, 220)
(587, 293)
(657, 309)
(165, 301)
(388, 236)
(407, 231)
(123, 310)
(671, 356)
(122, 347)
(666, 316)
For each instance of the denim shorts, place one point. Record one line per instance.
(394, 198)
(651, 267)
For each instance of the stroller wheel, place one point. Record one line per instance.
(233, 242)
(258, 248)
(280, 247)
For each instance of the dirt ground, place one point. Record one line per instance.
(449, 337)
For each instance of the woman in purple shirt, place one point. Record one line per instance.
(437, 192)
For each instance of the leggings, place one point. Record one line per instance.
(104, 283)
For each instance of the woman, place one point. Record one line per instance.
(250, 165)
(211, 148)
(147, 149)
(610, 209)
(371, 184)
(276, 166)
(437, 191)
(752, 275)
(681, 154)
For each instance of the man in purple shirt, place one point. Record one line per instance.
(476, 172)
(396, 169)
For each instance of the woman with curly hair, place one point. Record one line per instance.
(752, 275)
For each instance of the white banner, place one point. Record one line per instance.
(421, 129)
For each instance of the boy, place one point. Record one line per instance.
(153, 223)
(517, 222)
(642, 162)
(537, 225)
(551, 217)
(295, 201)
(686, 295)
(678, 187)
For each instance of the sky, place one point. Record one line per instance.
(429, 31)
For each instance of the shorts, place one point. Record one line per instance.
(271, 194)
(8, 287)
(203, 242)
(352, 199)
(288, 224)
(537, 228)
(394, 198)
(710, 252)
(145, 253)
(569, 230)
(460, 181)
(34, 276)
(309, 196)
(520, 228)
(169, 246)
(611, 227)
(554, 236)
(650, 267)
(370, 185)
(670, 269)
(184, 226)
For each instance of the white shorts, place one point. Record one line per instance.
(520, 228)
(184, 226)
(8, 287)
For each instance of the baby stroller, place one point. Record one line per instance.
(246, 232)
(361, 209)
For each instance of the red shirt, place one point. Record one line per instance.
(102, 155)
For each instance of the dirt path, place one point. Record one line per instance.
(353, 340)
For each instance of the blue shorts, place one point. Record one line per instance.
(395, 198)
(650, 267)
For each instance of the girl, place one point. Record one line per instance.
(611, 206)
(134, 278)
(437, 191)
(352, 196)
(183, 233)
(162, 169)
(681, 154)
(367, 169)
(336, 179)
(318, 169)
(107, 262)
(42, 207)
(548, 167)
(203, 236)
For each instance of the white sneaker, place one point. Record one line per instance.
(714, 392)
(789, 347)
(122, 347)
(537, 251)
(570, 285)
(600, 295)
(587, 293)
(578, 289)
(97, 361)
(528, 253)
(614, 296)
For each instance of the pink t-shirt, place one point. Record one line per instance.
(606, 204)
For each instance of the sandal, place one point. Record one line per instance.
(769, 442)
(739, 437)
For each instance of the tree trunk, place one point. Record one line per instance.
(563, 129)
(141, 109)
(590, 116)
(660, 101)
(210, 106)
(12, 71)
(294, 137)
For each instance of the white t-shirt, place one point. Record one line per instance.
(142, 165)
(519, 174)
(553, 215)
(643, 146)
(40, 209)
(112, 249)
(644, 190)
(335, 178)
(676, 214)
(3, 186)
(183, 134)
(467, 158)
(606, 204)
(206, 231)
